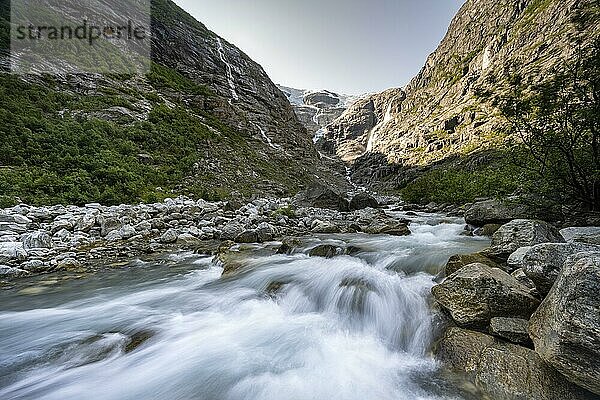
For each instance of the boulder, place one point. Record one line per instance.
(10, 272)
(363, 200)
(266, 232)
(487, 230)
(515, 260)
(542, 263)
(169, 236)
(590, 235)
(108, 224)
(324, 250)
(512, 329)
(504, 370)
(231, 230)
(496, 212)
(520, 275)
(521, 233)
(477, 293)
(388, 227)
(319, 226)
(321, 196)
(12, 251)
(247, 236)
(566, 327)
(458, 261)
(36, 240)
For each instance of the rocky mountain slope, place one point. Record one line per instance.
(439, 113)
(317, 109)
(206, 121)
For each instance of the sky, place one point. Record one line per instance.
(347, 46)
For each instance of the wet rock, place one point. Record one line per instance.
(137, 339)
(363, 200)
(590, 235)
(476, 293)
(458, 261)
(542, 263)
(388, 227)
(504, 370)
(265, 232)
(566, 327)
(512, 329)
(247, 236)
(324, 250)
(521, 233)
(231, 230)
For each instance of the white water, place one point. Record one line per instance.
(345, 328)
(228, 70)
(373, 133)
(266, 138)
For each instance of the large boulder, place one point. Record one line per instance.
(36, 240)
(321, 196)
(542, 263)
(477, 293)
(458, 261)
(566, 327)
(504, 370)
(497, 212)
(12, 252)
(363, 200)
(522, 233)
(590, 234)
(512, 329)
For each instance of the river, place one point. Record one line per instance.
(290, 327)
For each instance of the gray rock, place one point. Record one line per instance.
(10, 272)
(186, 239)
(319, 226)
(324, 250)
(477, 293)
(247, 236)
(566, 327)
(504, 370)
(266, 232)
(36, 240)
(497, 212)
(520, 275)
(321, 196)
(511, 329)
(515, 260)
(542, 263)
(458, 261)
(12, 251)
(35, 266)
(589, 235)
(169, 236)
(363, 200)
(522, 233)
(108, 224)
(231, 230)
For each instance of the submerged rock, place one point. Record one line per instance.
(566, 327)
(504, 370)
(477, 293)
(324, 250)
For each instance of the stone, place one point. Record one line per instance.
(487, 230)
(324, 250)
(566, 327)
(363, 200)
(247, 236)
(319, 226)
(458, 261)
(170, 236)
(321, 196)
(390, 227)
(265, 232)
(542, 263)
(477, 293)
(512, 329)
(12, 251)
(108, 224)
(231, 230)
(10, 272)
(520, 275)
(590, 235)
(36, 240)
(504, 370)
(521, 233)
(497, 212)
(515, 260)
(186, 239)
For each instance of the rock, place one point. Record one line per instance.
(458, 261)
(511, 329)
(520, 275)
(10, 272)
(85, 223)
(12, 251)
(504, 370)
(521, 233)
(390, 227)
(566, 327)
(231, 230)
(476, 293)
(363, 200)
(324, 250)
(186, 239)
(497, 212)
(266, 232)
(36, 240)
(319, 226)
(321, 196)
(487, 230)
(35, 266)
(169, 236)
(108, 224)
(542, 263)
(590, 235)
(515, 260)
(247, 236)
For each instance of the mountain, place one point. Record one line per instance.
(317, 108)
(205, 121)
(440, 113)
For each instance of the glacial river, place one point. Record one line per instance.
(290, 327)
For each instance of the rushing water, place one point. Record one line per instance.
(351, 327)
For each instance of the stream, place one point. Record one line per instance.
(288, 327)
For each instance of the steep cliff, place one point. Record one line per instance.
(206, 121)
(440, 113)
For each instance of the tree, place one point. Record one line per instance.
(557, 124)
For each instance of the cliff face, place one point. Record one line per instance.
(439, 114)
(206, 120)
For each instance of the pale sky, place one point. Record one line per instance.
(347, 46)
